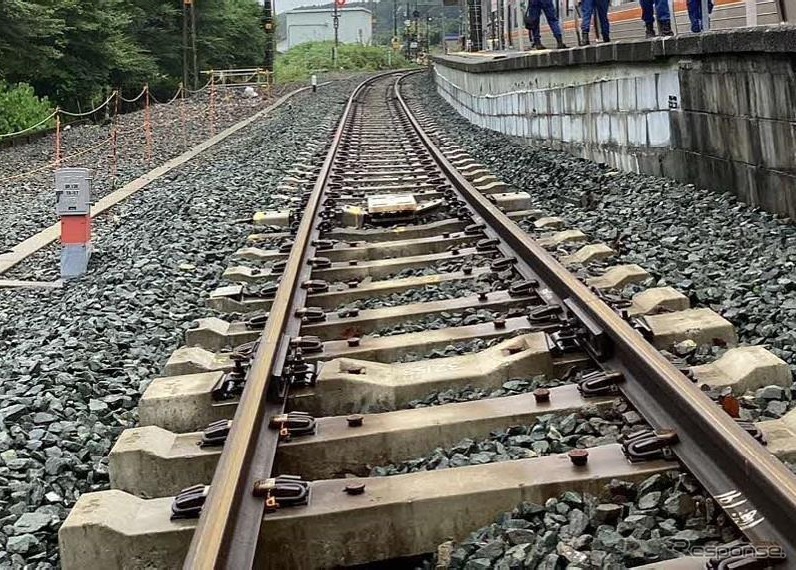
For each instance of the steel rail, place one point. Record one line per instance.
(756, 490)
(227, 533)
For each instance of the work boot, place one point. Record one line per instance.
(560, 43)
(650, 31)
(538, 45)
(666, 28)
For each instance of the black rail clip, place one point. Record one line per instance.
(599, 383)
(474, 229)
(503, 264)
(315, 286)
(319, 262)
(189, 502)
(523, 288)
(257, 321)
(642, 327)
(215, 434)
(647, 445)
(563, 341)
(591, 335)
(487, 244)
(282, 491)
(266, 290)
(292, 424)
(245, 351)
(322, 244)
(307, 344)
(752, 429)
(311, 314)
(229, 386)
(545, 315)
(286, 246)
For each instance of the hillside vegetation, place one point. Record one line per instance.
(299, 63)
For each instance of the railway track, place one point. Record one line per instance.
(401, 273)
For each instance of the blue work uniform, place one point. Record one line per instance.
(695, 14)
(588, 7)
(649, 8)
(535, 9)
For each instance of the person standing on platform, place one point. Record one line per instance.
(589, 7)
(660, 8)
(695, 14)
(532, 20)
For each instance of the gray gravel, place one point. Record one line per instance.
(550, 434)
(75, 361)
(469, 316)
(629, 525)
(722, 254)
(27, 203)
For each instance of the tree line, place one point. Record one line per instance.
(74, 52)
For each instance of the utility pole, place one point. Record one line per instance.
(185, 43)
(270, 37)
(394, 18)
(336, 23)
(193, 45)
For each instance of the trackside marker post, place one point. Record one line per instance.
(73, 205)
(314, 83)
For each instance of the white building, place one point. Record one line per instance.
(316, 25)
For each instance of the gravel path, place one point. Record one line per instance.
(74, 362)
(27, 202)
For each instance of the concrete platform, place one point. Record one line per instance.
(396, 516)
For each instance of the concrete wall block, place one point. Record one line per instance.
(603, 128)
(580, 99)
(595, 96)
(569, 100)
(626, 94)
(545, 127)
(566, 128)
(637, 129)
(613, 119)
(646, 93)
(556, 101)
(777, 193)
(555, 127)
(610, 95)
(578, 135)
(773, 96)
(540, 102)
(668, 87)
(776, 144)
(658, 129)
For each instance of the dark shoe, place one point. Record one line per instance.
(560, 43)
(538, 45)
(584, 41)
(649, 31)
(606, 40)
(666, 28)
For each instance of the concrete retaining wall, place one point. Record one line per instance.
(723, 119)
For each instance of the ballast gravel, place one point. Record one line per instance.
(75, 361)
(27, 202)
(722, 254)
(630, 524)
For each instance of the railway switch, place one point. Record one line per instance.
(73, 199)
